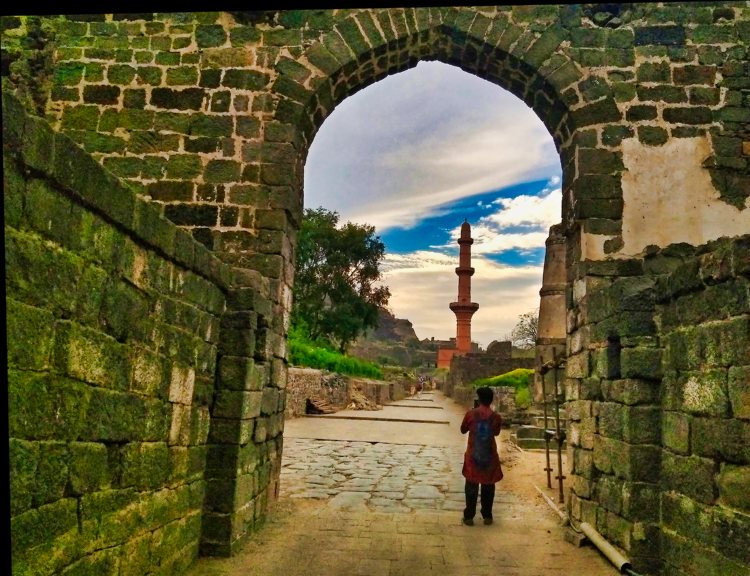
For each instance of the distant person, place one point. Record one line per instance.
(481, 461)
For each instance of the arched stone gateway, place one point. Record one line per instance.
(147, 315)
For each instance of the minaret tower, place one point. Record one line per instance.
(464, 309)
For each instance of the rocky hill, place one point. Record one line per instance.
(393, 342)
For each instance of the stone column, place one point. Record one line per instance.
(552, 308)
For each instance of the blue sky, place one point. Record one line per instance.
(417, 153)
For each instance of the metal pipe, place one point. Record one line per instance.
(613, 555)
(548, 469)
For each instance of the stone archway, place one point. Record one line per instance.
(208, 117)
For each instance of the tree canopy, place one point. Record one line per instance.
(524, 333)
(336, 295)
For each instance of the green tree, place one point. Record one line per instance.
(336, 296)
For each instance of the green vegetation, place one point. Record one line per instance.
(337, 293)
(520, 379)
(303, 352)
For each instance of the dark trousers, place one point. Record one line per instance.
(471, 490)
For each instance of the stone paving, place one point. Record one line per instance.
(357, 505)
(381, 477)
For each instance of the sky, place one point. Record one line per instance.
(415, 155)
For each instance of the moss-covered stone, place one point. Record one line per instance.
(51, 476)
(88, 467)
(23, 457)
(113, 416)
(30, 336)
(186, 99)
(41, 526)
(244, 79)
(145, 465)
(210, 35)
(733, 482)
(91, 356)
(182, 76)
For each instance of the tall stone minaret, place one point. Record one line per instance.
(464, 308)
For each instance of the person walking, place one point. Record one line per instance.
(481, 461)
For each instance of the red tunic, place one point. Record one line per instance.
(493, 473)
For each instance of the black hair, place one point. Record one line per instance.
(485, 395)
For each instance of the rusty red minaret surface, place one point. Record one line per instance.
(464, 309)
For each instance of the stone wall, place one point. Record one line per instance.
(657, 383)
(304, 383)
(702, 312)
(113, 323)
(336, 389)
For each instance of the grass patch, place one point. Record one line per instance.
(310, 355)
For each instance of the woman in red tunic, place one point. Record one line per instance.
(481, 469)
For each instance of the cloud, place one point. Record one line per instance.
(393, 153)
(423, 283)
(522, 223)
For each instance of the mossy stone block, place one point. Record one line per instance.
(149, 75)
(157, 420)
(121, 74)
(30, 335)
(145, 465)
(43, 525)
(597, 113)
(676, 432)
(210, 35)
(733, 482)
(14, 185)
(739, 391)
(171, 190)
(68, 73)
(80, 117)
(186, 99)
(40, 274)
(123, 305)
(43, 407)
(135, 558)
(38, 145)
(220, 171)
(113, 417)
(182, 76)
(92, 356)
(23, 457)
(89, 467)
(211, 126)
(245, 79)
(51, 476)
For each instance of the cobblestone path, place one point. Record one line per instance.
(380, 477)
(381, 494)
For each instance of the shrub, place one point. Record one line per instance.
(523, 397)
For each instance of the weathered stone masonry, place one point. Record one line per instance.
(209, 117)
